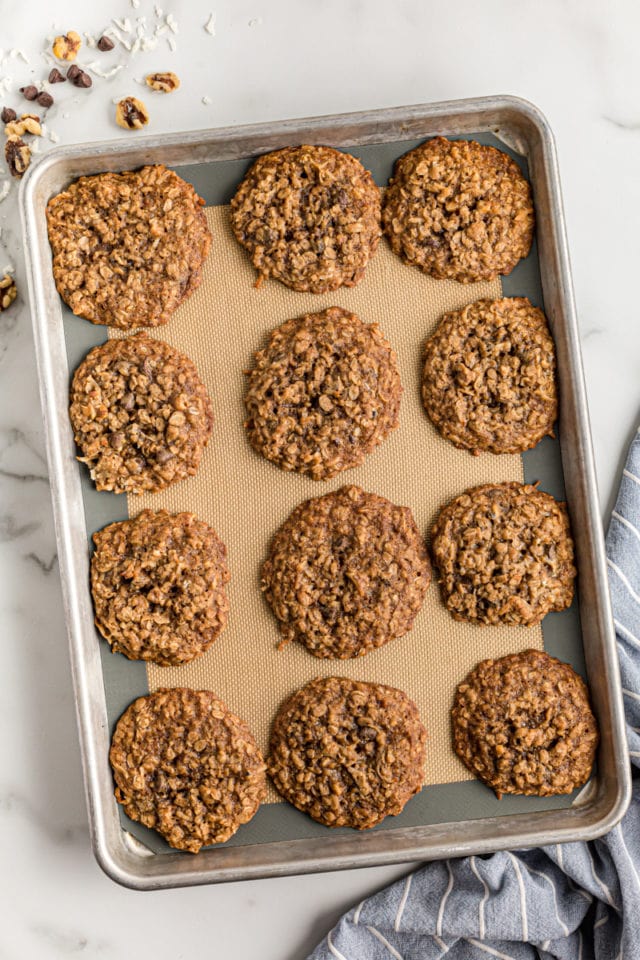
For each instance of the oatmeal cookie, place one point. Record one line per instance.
(458, 210)
(523, 724)
(323, 393)
(346, 573)
(309, 217)
(140, 413)
(186, 766)
(504, 554)
(346, 752)
(488, 381)
(158, 585)
(128, 247)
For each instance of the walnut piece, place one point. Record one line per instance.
(18, 156)
(8, 292)
(28, 123)
(165, 82)
(66, 47)
(131, 114)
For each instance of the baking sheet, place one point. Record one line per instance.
(245, 498)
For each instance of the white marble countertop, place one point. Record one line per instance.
(578, 62)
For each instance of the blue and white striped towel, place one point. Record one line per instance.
(575, 901)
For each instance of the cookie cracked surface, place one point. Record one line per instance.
(523, 724)
(346, 752)
(346, 573)
(323, 393)
(128, 247)
(158, 585)
(140, 413)
(186, 766)
(488, 381)
(459, 210)
(308, 216)
(504, 554)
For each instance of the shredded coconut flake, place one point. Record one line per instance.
(19, 54)
(171, 44)
(206, 101)
(104, 74)
(4, 189)
(171, 23)
(34, 146)
(124, 24)
(255, 22)
(149, 43)
(135, 4)
(54, 137)
(8, 268)
(90, 40)
(158, 10)
(210, 25)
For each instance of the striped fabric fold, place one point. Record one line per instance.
(575, 901)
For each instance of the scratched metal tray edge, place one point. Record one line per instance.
(124, 859)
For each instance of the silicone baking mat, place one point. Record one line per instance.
(245, 499)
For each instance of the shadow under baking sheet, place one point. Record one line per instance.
(414, 466)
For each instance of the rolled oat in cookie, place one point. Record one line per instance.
(488, 381)
(523, 724)
(309, 217)
(159, 587)
(346, 752)
(140, 413)
(323, 393)
(186, 766)
(128, 248)
(459, 210)
(503, 553)
(346, 573)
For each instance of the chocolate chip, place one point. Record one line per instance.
(104, 44)
(29, 93)
(56, 77)
(44, 99)
(8, 115)
(78, 77)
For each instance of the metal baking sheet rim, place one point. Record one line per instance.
(524, 128)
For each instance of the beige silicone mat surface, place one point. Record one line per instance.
(245, 498)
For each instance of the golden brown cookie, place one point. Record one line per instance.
(140, 413)
(128, 247)
(186, 766)
(523, 724)
(346, 752)
(309, 217)
(504, 554)
(323, 393)
(488, 381)
(459, 210)
(346, 573)
(158, 586)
